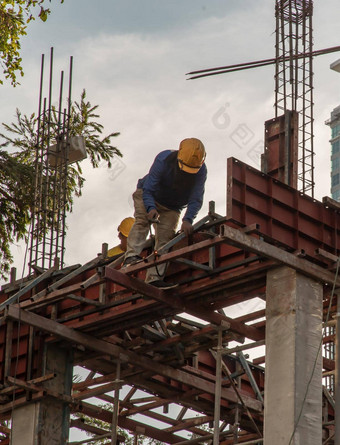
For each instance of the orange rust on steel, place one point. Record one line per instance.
(204, 374)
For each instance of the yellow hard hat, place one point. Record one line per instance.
(125, 226)
(191, 155)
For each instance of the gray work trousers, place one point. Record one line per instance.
(164, 231)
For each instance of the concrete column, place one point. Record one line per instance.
(293, 414)
(46, 422)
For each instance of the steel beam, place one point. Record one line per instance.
(171, 298)
(122, 354)
(16, 297)
(130, 424)
(237, 238)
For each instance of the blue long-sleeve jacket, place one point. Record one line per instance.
(168, 185)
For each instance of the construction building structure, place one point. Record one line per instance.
(274, 244)
(167, 363)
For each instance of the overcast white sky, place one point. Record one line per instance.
(132, 57)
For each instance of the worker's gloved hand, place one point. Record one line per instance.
(187, 228)
(153, 215)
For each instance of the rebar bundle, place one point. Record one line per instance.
(47, 234)
(294, 78)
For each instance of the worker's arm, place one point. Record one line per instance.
(152, 180)
(196, 197)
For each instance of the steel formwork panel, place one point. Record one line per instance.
(280, 157)
(284, 215)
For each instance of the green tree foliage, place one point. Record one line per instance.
(15, 16)
(15, 202)
(17, 168)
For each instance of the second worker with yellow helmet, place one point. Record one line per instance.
(175, 181)
(123, 233)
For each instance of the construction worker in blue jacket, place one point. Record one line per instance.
(176, 180)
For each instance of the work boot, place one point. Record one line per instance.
(131, 260)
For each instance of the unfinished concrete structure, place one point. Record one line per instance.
(171, 375)
(275, 244)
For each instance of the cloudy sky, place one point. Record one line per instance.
(132, 57)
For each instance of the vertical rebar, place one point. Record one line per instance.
(294, 78)
(36, 163)
(43, 194)
(65, 174)
(51, 172)
(57, 178)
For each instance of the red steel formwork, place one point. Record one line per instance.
(106, 305)
(284, 215)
